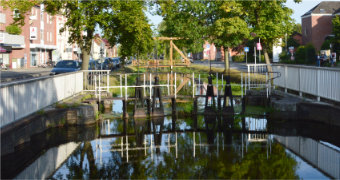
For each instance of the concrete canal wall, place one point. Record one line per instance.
(22, 98)
(50, 161)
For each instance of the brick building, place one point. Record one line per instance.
(317, 23)
(36, 42)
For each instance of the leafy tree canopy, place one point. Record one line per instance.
(122, 22)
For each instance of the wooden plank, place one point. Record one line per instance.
(181, 53)
(182, 84)
(167, 38)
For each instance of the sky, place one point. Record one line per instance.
(298, 8)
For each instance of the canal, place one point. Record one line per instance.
(180, 145)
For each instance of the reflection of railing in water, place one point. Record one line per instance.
(320, 155)
(125, 146)
(253, 134)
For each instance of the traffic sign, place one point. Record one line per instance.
(246, 49)
(258, 46)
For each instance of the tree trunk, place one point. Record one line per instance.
(226, 60)
(266, 57)
(86, 59)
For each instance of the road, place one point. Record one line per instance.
(19, 74)
(238, 66)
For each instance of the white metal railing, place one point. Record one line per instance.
(21, 98)
(320, 82)
(98, 81)
(318, 154)
(257, 68)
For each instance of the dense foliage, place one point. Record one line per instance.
(122, 22)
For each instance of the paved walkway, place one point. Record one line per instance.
(18, 74)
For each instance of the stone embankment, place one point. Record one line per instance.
(295, 108)
(69, 113)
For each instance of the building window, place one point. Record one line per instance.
(51, 37)
(16, 13)
(33, 59)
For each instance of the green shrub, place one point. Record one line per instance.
(310, 54)
(284, 56)
(13, 29)
(239, 58)
(305, 54)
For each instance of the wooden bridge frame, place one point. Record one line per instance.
(172, 46)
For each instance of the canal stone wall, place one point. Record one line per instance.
(22, 98)
(20, 132)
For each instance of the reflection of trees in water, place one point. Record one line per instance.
(228, 163)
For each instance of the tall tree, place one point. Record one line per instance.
(229, 29)
(122, 22)
(270, 20)
(336, 32)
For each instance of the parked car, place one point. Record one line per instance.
(94, 65)
(116, 62)
(65, 66)
(108, 64)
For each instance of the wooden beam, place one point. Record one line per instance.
(171, 49)
(182, 84)
(181, 53)
(167, 38)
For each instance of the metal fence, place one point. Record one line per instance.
(320, 155)
(19, 99)
(320, 82)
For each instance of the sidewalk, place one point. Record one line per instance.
(19, 74)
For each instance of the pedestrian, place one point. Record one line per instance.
(318, 60)
(333, 59)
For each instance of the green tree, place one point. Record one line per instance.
(336, 32)
(270, 20)
(13, 29)
(230, 28)
(186, 19)
(122, 22)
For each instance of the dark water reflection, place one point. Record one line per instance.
(205, 146)
(181, 145)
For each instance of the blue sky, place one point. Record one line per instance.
(298, 8)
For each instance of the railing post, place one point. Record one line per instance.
(168, 84)
(193, 85)
(150, 85)
(245, 85)
(121, 84)
(299, 71)
(217, 83)
(317, 85)
(144, 84)
(125, 86)
(267, 83)
(95, 86)
(286, 79)
(175, 85)
(248, 80)
(199, 80)
(241, 84)
(99, 92)
(107, 81)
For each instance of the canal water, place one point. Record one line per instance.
(180, 145)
